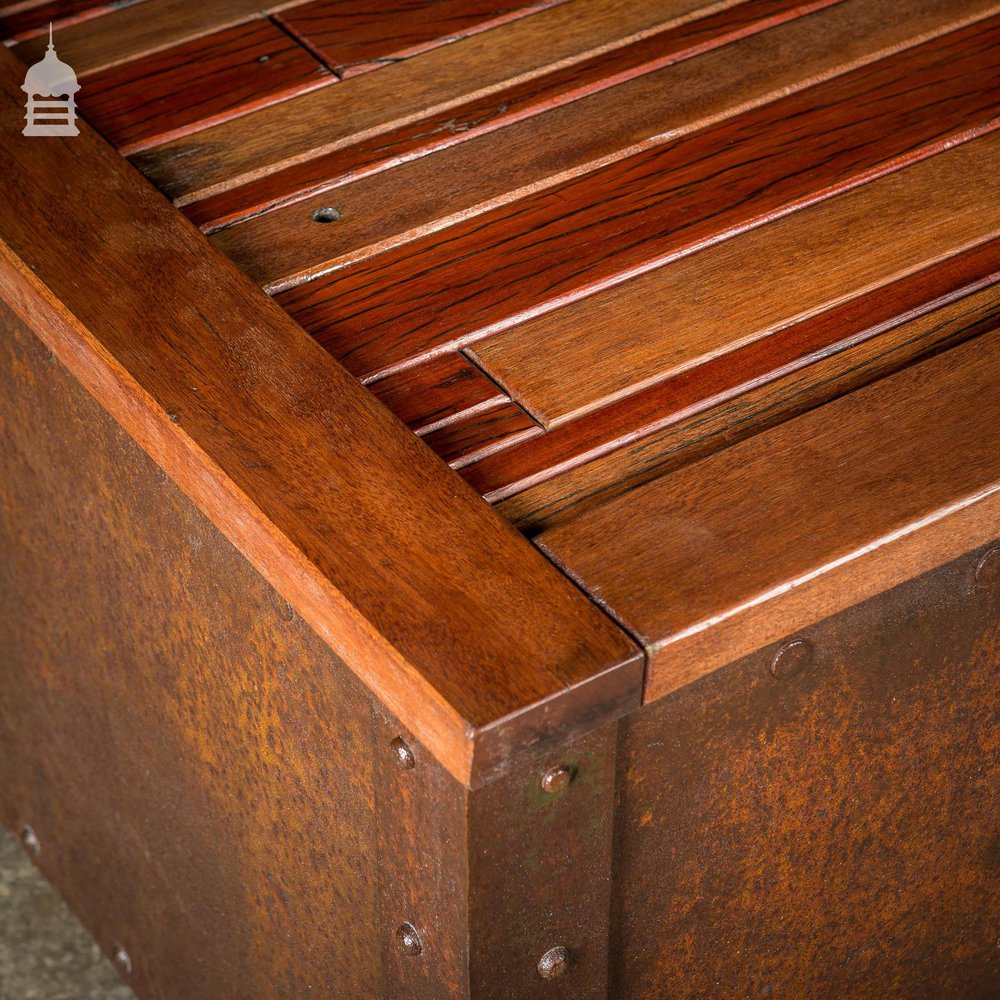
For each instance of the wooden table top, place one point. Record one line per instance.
(617, 263)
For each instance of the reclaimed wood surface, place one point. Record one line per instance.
(201, 380)
(728, 554)
(26, 18)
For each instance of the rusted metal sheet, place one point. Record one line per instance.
(540, 874)
(822, 818)
(193, 763)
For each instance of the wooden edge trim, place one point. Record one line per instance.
(462, 629)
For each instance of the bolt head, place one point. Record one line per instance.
(30, 840)
(403, 754)
(122, 959)
(792, 659)
(554, 963)
(557, 779)
(408, 940)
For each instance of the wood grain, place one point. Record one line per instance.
(283, 247)
(496, 110)
(714, 301)
(22, 20)
(682, 420)
(140, 30)
(480, 434)
(733, 552)
(191, 86)
(374, 103)
(552, 247)
(266, 434)
(352, 37)
(438, 392)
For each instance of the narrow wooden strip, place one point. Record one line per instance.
(140, 30)
(281, 248)
(19, 21)
(635, 418)
(353, 37)
(552, 247)
(779, 531)
(438, 392)
(561, 499)
(191, 86)
(458, 124)
(463, 630)
(481, 434)
(715, 301)
(375, 103)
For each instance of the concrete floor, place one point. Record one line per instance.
(44, 952)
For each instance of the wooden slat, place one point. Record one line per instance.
(22, 20)
(374, 103)
(438, 392)
(151, 26)
(191, 86)
(731, 553)
(481, 434)
(589, 462)
(463, 630)
(458, 124)
(561, 243)
(719, 299)
(354, 36)
(282, 247)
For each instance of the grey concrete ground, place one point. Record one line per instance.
(44, 952)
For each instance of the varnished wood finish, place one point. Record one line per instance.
(202, 382)
(574, 239)
(30, 17)
(480, 434)
(772, 534)
(379, 102)
(353, 36)
(194, 85)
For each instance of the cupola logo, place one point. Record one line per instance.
(51, 87)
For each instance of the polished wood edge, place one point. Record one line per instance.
(460, 664)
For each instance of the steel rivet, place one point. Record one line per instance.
(122, 959)
(556, 779)
(30, 840)
(403, 754)
(988, 570)
(791, 659)
(554, 963)
(408, 940)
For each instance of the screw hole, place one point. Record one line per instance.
(325, 215)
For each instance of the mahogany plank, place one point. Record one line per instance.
(19, 21)
(142, 29)
(466, 632)
(374, 103)
(191, 86)
(457, 124)
(718, 299)
(283, 247)
(481, 434)
(438, 392)
(707, 424)
(728, 554)
(561, 243)
(353, 37)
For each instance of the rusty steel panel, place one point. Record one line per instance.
(189, 763)
(822, 818)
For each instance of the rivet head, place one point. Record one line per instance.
(556, 779)
(988, 570)
(792, 659)
(122, 959)
(554, 963)
(403, 754)
(30, 840)
(408, 940)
